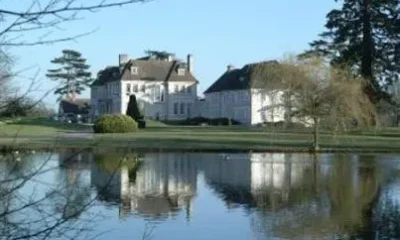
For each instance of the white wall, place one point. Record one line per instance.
(229, 104)
(266, 106)
(159, 98)
(180, 95)
(105, 98)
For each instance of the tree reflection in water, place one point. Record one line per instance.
(284, 195)
(43, 195)
(308, 196)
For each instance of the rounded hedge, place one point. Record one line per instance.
(114, 123)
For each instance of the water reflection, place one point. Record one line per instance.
(282, 195)
(160, 186)
(267, 181)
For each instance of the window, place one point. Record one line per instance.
(135, 88)
(175, 108)
(176, 88)
(134, 70)
(183, 89)
(189, 109)
(182, 108)
(162, 96)
(143, 88)
(128, 88)
(156, 92)
(181, 71)
(189, 89)
(116, 88)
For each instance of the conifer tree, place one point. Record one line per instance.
(365, 36)
(73, 75)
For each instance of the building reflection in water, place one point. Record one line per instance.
(163, 184)
(284, 194)
(257, 179)
(292, 194)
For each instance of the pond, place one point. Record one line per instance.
(86, 195)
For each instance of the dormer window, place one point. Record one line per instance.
(134, 70)
(181, 71)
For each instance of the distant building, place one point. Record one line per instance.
(74, 109)
(164, 87)
(238, 94)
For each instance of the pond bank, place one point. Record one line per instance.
(195, 139)
(94, 143)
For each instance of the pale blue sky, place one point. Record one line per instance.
(216, 32)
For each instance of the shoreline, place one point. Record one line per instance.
(191, 147)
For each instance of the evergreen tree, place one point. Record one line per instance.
(365, 36)
(73, 74)
(133, 109)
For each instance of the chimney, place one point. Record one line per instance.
(123, 58)
(190, 63)
(170, 58)
(229, 68)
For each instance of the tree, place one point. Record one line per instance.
(364, 35)
(133, 109)
(161, 55)
(73, 74)
(321, 95)
(39, 19)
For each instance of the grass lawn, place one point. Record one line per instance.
(34, 133)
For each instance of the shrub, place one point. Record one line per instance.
(223, 122)
(117, 123)
(133, 108)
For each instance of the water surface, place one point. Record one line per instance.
(84, 195)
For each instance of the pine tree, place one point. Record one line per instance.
(365, 36)
(73, 74)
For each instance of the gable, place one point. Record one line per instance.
(240, 79)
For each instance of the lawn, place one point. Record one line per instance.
(33, 133)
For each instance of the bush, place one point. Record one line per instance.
(117, 123)
(223, 122)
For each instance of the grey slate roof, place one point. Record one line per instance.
(240, 79)
(148, 69)
(77, 106)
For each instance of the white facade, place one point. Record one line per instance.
(249, 106)
(172, 101)
(157, 97)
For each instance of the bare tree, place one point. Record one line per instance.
(320, 95)
(38, 22)
(42, 17)
(33, 209)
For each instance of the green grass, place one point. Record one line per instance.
(34, 133)
(39, 126)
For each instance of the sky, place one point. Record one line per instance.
(217, 33)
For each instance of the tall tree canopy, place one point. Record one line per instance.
(364, 35)
(73, 74)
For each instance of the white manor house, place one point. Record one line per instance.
(166, 89)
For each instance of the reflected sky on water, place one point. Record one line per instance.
(201, 196)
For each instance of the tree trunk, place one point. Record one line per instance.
(316, 135)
